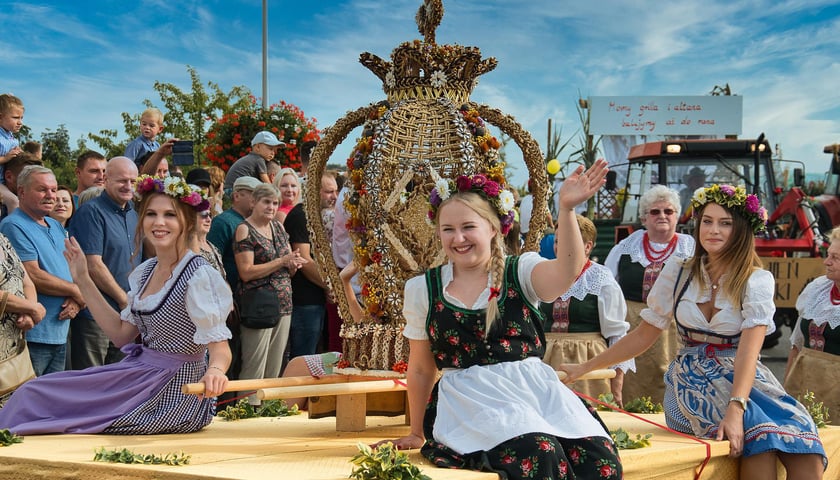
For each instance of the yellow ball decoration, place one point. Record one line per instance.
(552, 167)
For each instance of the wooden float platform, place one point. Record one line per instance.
(300, 448)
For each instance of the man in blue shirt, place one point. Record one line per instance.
(39, 242)
(104, 228)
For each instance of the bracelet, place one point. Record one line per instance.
(741, 401)
(217, 368)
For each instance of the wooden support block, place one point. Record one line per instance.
(351, 412)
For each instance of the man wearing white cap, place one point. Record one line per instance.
(263, 148)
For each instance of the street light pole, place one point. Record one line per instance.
(265, 54)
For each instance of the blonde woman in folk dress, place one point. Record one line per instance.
(815, 341)
(636, 263)
(721, 302)
(497, 406)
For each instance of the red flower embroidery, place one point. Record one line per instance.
(563, 467)
(526, 465)
(545, 446)
(606, 471)
(507, 459)
(453, 340)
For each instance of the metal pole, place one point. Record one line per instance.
(265, 55)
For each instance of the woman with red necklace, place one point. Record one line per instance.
(815, 341)
(636, 262)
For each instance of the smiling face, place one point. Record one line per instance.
(120, 179)
(38, 196)
(289, 190)
(204, 220)
(716, 226)
(63, 206)
(162, 225)
(465, 235)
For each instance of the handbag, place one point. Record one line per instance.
(17, 369)
(259, 308)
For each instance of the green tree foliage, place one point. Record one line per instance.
(187, 114)
(58, 156)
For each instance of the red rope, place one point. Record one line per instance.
(663, 427)
(218, 403)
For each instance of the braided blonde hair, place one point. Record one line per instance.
(496, 264)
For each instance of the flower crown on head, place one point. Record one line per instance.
(175, 187)
(735, 199)
(492, 191)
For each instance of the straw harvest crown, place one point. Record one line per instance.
(424, 69)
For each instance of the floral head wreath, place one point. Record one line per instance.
(492, 191)
(735, 199)
(175, 187)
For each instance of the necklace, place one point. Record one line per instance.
(584, 269)
(654, 255)
(835, 295)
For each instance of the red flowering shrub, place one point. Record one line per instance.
(230, 137)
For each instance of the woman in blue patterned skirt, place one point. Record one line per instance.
(177, 304)
(722, 302)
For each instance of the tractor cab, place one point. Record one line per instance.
(686, 165)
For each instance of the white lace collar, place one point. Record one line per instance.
(633, 247)
(590, 282)
(814, 303)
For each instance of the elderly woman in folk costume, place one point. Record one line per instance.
(815, 341)
(636, 262)
(721, 300)
(583, 321)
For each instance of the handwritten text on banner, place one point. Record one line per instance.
(668, 115)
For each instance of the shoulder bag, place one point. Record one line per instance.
(17, 369)
(259, 307)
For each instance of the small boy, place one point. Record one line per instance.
(151, 124)
(11, 119)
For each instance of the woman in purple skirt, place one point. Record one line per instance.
(177, 306)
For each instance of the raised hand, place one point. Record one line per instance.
(581, 185)
(75, 259)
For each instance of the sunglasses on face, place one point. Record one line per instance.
(204, 214)
(655, 212)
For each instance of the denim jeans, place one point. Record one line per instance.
(47, 358)
(89, 346)
(305, 332)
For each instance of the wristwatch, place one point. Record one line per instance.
(741, 401)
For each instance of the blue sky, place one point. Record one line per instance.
(83, 63)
